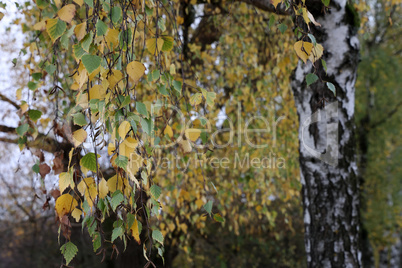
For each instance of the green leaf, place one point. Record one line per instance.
(209, 97)
(141, 108)
(332, 88)
(126, 101)
(158, 236)
(34, 114)
(311, 79)
(160, 253)
(69, 250)
(130, 220)
(79, 119)
(91, 62)
(146, 125)
(155, 75)
(121, 161)
(21, 130)
(325, 2)
(155, 191)
(32, 85)
(89, 3)
(87, 41)
(282, 27)
(78, 51)
(50, 68)
(116, 14)
(218, 217)
(324, 64)
(162, 90)
(271, 21)
(167, 43)
(35, 168)
(101, 28)
(55, 28)
(117, 232)
(208, 207)
(196, 99)
(177, 86)
(97, 241)
(42, 3)
(37, 76)
(89, 161)
(116, 200)
(312, 38)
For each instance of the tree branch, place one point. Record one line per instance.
(42, 141)
(7, 129)
(4, 98)
(388, 116)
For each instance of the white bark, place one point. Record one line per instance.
(327, 156)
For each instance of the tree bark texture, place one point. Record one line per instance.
(329, 178)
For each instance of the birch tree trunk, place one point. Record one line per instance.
(327, 148)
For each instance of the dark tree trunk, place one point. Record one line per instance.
(327, 147)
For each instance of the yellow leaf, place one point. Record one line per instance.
(79, 136)
(305, 16)
(179, 20)
(65, 180)
(58, 3)
(111, 148)
(303, 50)
(79, 2)
(84, 184)
(24, 107)
(127, 188)
(103, 189)
(70, 156)
(154, 45)
(168, 131)
(81, 76)
(87, 187)
(172, 69)
(67, 13)
(124, 128)
(135, 70)
(19, 93)
(76, 214)
(82, 100)
(114, 184)
(127, 147)
(40, 26)
(135, 232)
(97, 92)
(65, 204)
(134, 164)
(316, 53)
(199, 203)
(276, 2)
(192, 134)
(112, 38)
(185, 146)
(80, 30)
(115, 78)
